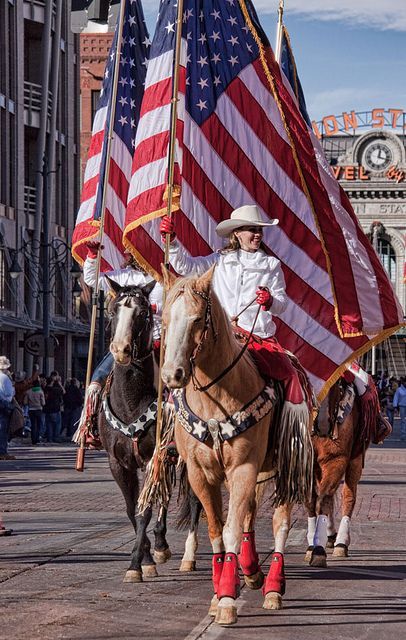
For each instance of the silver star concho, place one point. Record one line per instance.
(227, 429)
(199, 428)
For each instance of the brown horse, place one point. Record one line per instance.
(222, 429)
(338, 454)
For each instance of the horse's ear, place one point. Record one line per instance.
(205, 280)
(169, 277)
(147, 288)
(113, 286)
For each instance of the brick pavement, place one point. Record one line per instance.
(61, 572)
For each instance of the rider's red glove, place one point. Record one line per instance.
(93, 247)
(167, 226)
(264, 298)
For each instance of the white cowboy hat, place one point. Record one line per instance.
(246, 216)
(4, 363)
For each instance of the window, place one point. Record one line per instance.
(388, 258)
(95, 102)
(6, 283)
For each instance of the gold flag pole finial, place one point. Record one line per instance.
(81, 451)
(278, 47)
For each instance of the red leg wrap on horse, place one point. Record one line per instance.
(248, 556)
(229, 585)
(275, 580)
(217, 564)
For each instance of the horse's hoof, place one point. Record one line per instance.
(187, 566)
(273, 600)
(308, 554)
(330, 541)
(318, 558)
(213, 606)
(340, 551)
(161, 557)
(226, 612)
(133, 575)
(255, 581)
(149, 571)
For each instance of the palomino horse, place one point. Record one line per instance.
(337, 455)
(222, 427)
(127, 419)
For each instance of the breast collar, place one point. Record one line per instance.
(136, 428)
(249, 415)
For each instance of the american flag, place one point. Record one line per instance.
(241, 139)
(134, 54)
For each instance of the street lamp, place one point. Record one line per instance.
(50, 257)
(14, 269)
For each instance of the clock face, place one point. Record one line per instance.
(378, 156)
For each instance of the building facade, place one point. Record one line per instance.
(367, 153)
(39, 184)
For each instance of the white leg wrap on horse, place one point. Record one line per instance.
(191, 545)
(343, 535)
(231, 541)
(311, 529)
(320, 535)
(217, 545)
(281, 537)
(331, 528)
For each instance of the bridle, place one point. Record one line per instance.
(208, 321)
(136, 340)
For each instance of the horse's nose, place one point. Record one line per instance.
(120, 351)
(179, 374)
(173, 379)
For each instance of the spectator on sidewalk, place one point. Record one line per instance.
(34, 399)
(72, 406)
(7, 393)
(22, 383)
(54, 393)
(399, 402)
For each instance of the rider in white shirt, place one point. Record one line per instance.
(130, 275)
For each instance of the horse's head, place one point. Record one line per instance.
(131, 322)
(186, 318)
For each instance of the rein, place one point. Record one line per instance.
(207, 321)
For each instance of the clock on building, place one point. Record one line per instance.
(377, 155)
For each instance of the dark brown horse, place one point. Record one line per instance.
(127, 419)
(338, 455)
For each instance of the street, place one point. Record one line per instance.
(61, 571)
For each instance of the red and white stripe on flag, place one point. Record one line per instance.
(113, 158)
(256, 148)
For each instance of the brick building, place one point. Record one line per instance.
(94, 49)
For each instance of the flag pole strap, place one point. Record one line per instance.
(278, 47)
(95, 296)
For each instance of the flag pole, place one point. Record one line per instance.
(171, 170)
(279, 31)
(80, 457)
(153, 490)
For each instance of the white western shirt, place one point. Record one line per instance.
(127, 277)
(236, 278)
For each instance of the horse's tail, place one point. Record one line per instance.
(293, 452)
(183, 517)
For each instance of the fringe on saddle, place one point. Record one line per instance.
(292, 452)
(90, 409)
(160, 473)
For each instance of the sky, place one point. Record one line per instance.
(350, 54)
